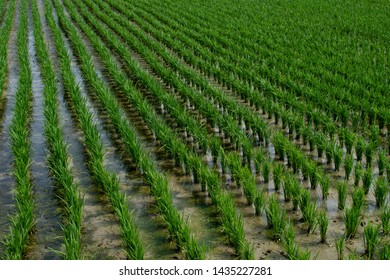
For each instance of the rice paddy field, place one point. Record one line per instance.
(194, 129)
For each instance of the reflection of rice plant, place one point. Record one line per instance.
(380, 192)
(340, 247)
(367, 180)
(371, 239)
(323, 223)
(385, 218)
(325, 185)
(342, 194)
(351, 220)
(348, 165)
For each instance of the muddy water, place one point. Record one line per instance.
(7, 183)
(48, 233)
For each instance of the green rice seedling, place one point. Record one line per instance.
(360, 147)
(296, 194)
(321, 142)
(358, 198)
(367, 180)
(342, 194)
(329, 149)
(249, 186)
(287, 187)
(266, 166)
(323, 223)
(312, 142)
(385, 219)
(259, 201)
(325, 185)
(314, 175)
(349, 140)
(348, 165)
(305, 169)
(259, 159)
(278, 171)
(382, 162)
(215, 148)
(304, 200)
(384, 252)
(351, 220)
(358, 173)
(375, 136)
(371, 239)
(380, 191)
(310, 217)
(337, 157)
(279, 144)
(340, 247)
(288, 238)
(369, 152)
(306, 133)
(276, 218)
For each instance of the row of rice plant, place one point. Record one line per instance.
(5, 29)
(92, 141)
(23, 221)
(58, 151)
(241, 174)
(176, 224)
(231, 220)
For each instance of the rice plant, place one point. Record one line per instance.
(325, 185)
(276, 218)
(296, 194)
(266, 166)
(385, 219)
(337, 157)
(360, 148)
(358, 198)
(278, 171)
(351, 221)
(358, 173)
(348, 165)
(381, 190)
(384, 252)
(367, 180)
(310, 217)
(323, 223)
(371, 239)
(340, 243)
(342, 194)
(382, 162)
(259, 201)
(369, 153)
(304, 200)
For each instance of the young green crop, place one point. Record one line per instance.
(371, 239)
